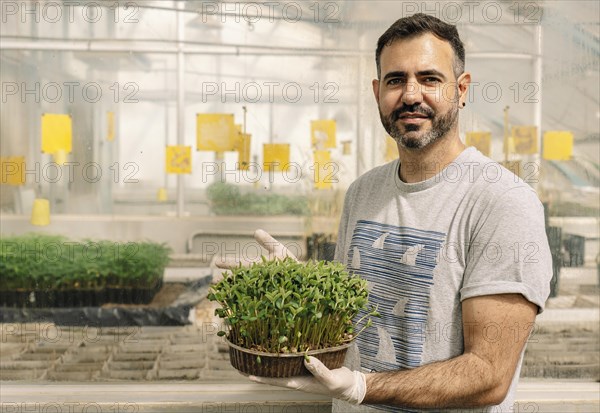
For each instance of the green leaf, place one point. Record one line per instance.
(314, 303)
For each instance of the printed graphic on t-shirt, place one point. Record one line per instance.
(398, 264)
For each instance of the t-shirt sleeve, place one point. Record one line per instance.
(509, 251)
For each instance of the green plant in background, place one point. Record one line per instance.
(284, 306)
(50, 262)
(226, 199)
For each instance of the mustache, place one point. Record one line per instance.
(423, 110)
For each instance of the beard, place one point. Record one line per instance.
(413, 137)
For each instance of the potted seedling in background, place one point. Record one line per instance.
(40, 270)
(278, 311)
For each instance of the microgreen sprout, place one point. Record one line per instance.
(52, 262)
(283, 306)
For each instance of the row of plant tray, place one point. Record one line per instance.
(171, 306)
(77, 297)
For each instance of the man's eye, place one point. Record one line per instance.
(431, 80)
(396, 81)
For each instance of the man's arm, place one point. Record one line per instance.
(496, 328)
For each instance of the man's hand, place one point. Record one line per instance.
(275, 250)
(342, 383)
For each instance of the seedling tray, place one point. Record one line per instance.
(77, 297)
(264, 364)
(173, 313)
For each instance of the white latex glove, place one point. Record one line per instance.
(342, 383)
(275, 249)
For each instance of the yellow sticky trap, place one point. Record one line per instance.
(346, 147)
(391, 149)
(40, 213)
(509, 144)
(558, 145)
(215, 132)
(179, 159)
(57, 133)
(242, 146)
(514, 166)
(322, 133)
(161, 195)
(323, 170)
(480, 140)
(110, 126)
(12, 170)
(525, 140)
(276, 157)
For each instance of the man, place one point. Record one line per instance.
(453, 247)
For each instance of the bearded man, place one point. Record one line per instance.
(453, 247)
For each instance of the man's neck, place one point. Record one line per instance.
(419, 165)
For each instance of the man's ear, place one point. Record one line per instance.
(463, 81)
(375, 84)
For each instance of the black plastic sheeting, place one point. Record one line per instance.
(176, 314)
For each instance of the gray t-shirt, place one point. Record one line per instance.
(473, 229)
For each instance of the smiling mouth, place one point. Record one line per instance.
(405, 116)
(413, 118)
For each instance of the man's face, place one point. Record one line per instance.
(417, 94)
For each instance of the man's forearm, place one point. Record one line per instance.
(464, 381)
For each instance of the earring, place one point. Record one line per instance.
(464, 104)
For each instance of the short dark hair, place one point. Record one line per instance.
(417, 24)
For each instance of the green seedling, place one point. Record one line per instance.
(284, 306)
(227, 199)
(47, 262)
(306, 356)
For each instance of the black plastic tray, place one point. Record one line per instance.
(77, 298)
(176, 314)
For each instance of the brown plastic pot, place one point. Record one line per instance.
(282, 364)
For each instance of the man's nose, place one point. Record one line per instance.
(412, 94)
